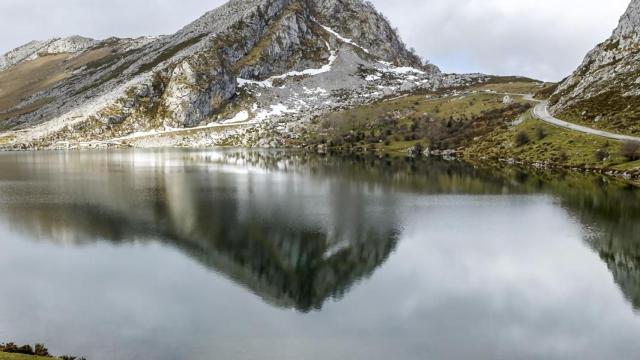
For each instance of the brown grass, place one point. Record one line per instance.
(91, 57)
(27, 79)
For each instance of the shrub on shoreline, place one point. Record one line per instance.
(631, 150)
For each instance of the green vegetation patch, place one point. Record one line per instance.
(535, 141)
(513, 85)
(546, 91)
(393, 126)
(612, 45)
(631, 165)
(612, 111)
(11, 351)
(9, 356)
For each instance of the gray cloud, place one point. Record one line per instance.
(544, 39)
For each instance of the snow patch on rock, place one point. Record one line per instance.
(268, 83)
(276, 110)
(342, 38)
(242, 116)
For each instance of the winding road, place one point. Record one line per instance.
(541, 112)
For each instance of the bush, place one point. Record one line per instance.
(602, 154)
(25, 349)
(41, 350)
(417, 150)
(13, 348)
(326, 124)
(563, 157)
(631, 150)
(522, 138)
(9, 348)
(541, 133)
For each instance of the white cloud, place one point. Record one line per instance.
(544, 39)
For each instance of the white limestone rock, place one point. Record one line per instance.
(36, 49)
(611, 67)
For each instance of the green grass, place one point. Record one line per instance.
(546, 91)
(393, 126)
(558, 146)
(617, 113)
(615, 110)
(516, 87)
(461, 106)
(398, 148)
(9, 356)
(632, 165)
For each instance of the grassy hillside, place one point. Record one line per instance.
(540, 143)
(395, 125)
(476, 122)
(9, 356)
(610, 111)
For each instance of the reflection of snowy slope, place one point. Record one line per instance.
(294, 240)
(247, 66)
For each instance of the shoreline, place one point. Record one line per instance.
(631, 177)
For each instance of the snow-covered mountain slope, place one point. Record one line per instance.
(249, 62)
(605, 88)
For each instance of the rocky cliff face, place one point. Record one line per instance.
(606, 86)
(249, 61)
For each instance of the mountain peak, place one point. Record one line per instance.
(360, 21)
(629, 25)
(249, 61)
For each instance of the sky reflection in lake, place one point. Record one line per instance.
(236, 255)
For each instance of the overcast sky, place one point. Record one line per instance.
(544, 39)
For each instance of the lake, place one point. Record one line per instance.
(212, 254)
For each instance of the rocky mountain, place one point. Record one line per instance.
(249, 67)
(605, 89)
(37, 49)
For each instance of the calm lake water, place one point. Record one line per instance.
(243, 255)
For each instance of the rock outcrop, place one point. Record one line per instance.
(606, 86)
(36, 49)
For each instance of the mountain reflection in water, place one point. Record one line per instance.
(280, 238)
(171, 254)
(293, 243)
